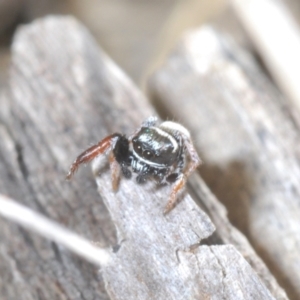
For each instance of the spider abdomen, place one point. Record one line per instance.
(155, 147)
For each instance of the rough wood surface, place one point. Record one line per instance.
(46, 117)
(64, 94)
(245, 132)
(226, 233)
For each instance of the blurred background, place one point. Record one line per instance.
(135, 33)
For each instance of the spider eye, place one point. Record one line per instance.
(148, 154)
(138, 148)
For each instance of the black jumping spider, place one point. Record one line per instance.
(163, 152)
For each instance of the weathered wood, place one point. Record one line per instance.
(63, 95)
(245, 132)
(226, 233)
(41, 126)
(277, 40)
(161, 257)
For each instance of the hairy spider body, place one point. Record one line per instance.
(160, 152)
(157, 153)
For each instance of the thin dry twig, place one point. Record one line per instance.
(32, 220)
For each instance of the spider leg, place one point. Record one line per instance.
(180, 182)
(195, 160)
(141, 178)
(177, 188)
(115, 171)
(92, 152)
(125, 171)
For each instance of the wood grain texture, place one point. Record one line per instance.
(64, 93)
(245, 132)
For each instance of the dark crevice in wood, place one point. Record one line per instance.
(20, 159)
(56, 252)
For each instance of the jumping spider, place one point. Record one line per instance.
(163, 152)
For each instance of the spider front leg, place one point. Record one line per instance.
(180, 182)
(115, 171)
(89, 154)
(117, 163)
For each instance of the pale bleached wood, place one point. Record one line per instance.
(248, 139)
(65, 93)
(276, 35)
